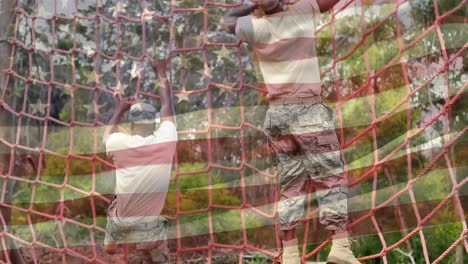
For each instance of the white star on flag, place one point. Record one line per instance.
(120, 89)
(91, 107)
(38, 107)
(206, 71)
(223, 53)
(182, 96)
(135, 71)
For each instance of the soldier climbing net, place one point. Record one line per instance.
(409, 85)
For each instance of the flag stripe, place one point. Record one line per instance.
(286, 50)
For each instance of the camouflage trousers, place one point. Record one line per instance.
(304, 146)
(150, 238)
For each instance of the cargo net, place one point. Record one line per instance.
(394, 71)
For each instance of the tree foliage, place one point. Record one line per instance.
(211, 76)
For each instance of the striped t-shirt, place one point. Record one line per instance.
(143, 172)
(284, 45)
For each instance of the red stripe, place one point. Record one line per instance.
(162, 153)
(293, 89)
(140, 204)
(86, 211)
(154, 154)
(286, 50)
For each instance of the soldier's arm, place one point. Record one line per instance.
(230, 20)
(165, 92)
(122, 106)
(326, 5)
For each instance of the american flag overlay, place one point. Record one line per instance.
(393, 71)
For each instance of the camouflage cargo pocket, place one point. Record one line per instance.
(312, 119)
(276, 121)
(329, 155)
(311, 115)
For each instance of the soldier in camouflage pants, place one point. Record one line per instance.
(298, 125)
(304, 145)
(150, 239)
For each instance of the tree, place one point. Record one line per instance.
(388, 88)
(94, 57)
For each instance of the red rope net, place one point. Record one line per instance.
(61, 59)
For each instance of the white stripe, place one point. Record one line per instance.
(105, 180)
(348, 110)
(299, 71)
(355, 204)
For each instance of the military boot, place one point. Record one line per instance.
(291, 252)
(340, 252)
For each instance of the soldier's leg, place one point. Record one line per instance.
(293, 177)
(151, 241)
(322, 156)
(291, 205)
(329, 182)
(115, 233)
(285, 150)
(314, 130)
